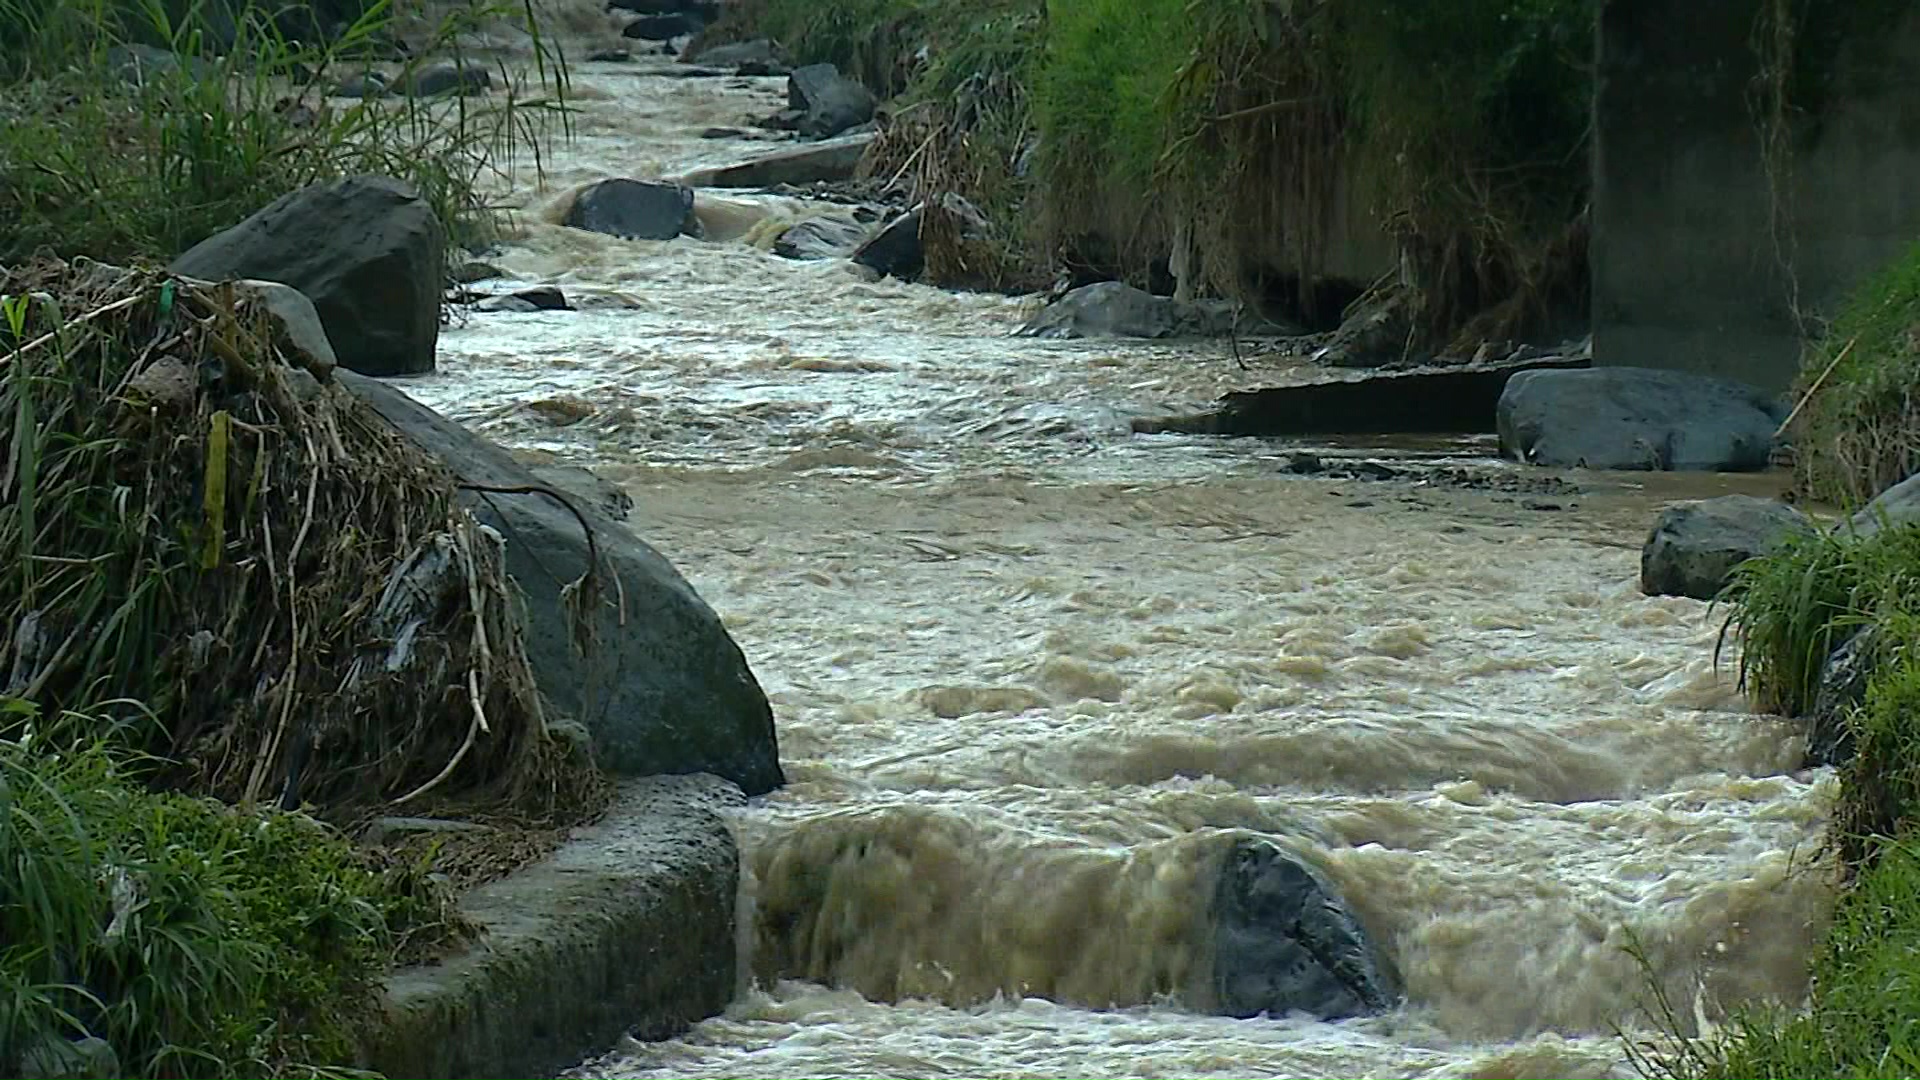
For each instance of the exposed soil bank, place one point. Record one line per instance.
(627, 928)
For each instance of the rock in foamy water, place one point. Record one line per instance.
(1286, 942)
(1695, 546)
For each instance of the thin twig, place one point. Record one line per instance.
(43, 339)
(1814, 389)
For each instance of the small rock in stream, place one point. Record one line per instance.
(538, 298)
(825, 102)
(635, 210)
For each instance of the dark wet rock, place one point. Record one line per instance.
(756, 57)
(610, 56)
(139, 63)
(823, 162)
(1373, 334)
(1116, 309)
(367, 84)
(436, 80)
(635, 210)
(1305, 464)
(1285, 942)
(665, 689)
(1694, 546)
(827, 102)
(1897, 506)
(473, 270)
(1841, 690)
(538, 298)
(588, 486)
(722, 133)
(895, 250)
(367, 250)
(820, 238)
(664, 27)
(704, 10)
(1637, 419)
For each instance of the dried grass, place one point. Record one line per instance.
(194, 521)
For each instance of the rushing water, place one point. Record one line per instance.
(1032, 672)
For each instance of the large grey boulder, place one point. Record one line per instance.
(665, 689)
(1284, 941)
(1637, 419)
(367, 250)
(1694, 546)
(635, 210)
(1898, 505)
(827, 102)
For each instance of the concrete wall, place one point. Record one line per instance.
(1685, 270)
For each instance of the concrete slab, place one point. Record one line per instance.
(628, 928)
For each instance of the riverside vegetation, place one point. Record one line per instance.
(186, 559)
(1791, 611)
(1122, 135)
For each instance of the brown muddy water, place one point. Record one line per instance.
(1034, 672)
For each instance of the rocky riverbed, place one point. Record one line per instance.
(1037, 674)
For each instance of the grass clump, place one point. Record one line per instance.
(1791, 609)
(133, 129)
(194, 938)
(1859, 430)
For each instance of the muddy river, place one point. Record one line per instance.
(1032, 670)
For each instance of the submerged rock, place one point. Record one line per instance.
(1116, 309)
(664, 27)
(367, 250)
(1637, 419)
(820, 238)
(666, 689)
(538, 298)
(466, 80)
(635, 210)
(822, 162)
(756, 57)
(1694, 546)
(1285, 942)
(827, 102)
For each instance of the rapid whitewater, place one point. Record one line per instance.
(1033, 672)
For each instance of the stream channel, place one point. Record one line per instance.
(1033, 671)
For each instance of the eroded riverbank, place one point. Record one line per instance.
(1029, 667)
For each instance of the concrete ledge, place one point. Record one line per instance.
(627, 928)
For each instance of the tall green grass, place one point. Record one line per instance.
(93, 162)
(195, 939)
(1790, 610)
(1859, 431)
